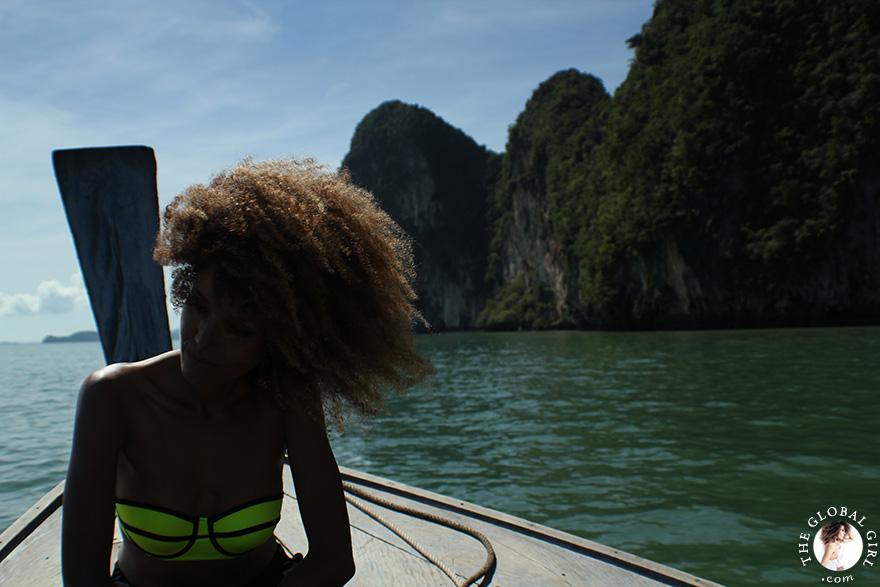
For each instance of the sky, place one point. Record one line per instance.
(208, 83)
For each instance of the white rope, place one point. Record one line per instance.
(490, 552)
(421, 549)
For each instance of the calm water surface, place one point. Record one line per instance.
(706, 451)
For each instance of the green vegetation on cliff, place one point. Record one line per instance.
(746, 135)
(518, 306)
(548, 147)
(548, 152)
(746, 126)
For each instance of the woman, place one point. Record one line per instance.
(833, 535)
(295, 296)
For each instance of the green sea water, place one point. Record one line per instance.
(708, 451)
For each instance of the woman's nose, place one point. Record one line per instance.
(207, 334)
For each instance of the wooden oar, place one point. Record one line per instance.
(112, 206)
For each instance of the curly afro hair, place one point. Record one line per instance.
(329, 273)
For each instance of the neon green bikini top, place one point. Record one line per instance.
(166, 534)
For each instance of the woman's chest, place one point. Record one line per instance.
(201, 464)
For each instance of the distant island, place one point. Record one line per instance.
(91, 336)
(83, 336)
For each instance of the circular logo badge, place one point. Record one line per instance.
(837, 546)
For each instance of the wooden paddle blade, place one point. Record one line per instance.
(112, 206)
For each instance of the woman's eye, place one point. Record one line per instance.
(239, 331)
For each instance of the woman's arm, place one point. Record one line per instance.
(90, 488)
(321, 504)
(827, 556)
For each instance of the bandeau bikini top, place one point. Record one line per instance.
(166, 534)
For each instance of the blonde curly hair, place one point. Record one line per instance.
(329, 273)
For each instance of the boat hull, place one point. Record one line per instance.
(526, 553)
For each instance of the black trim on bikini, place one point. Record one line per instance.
(191, 540)
(214, 536)
(196, 519)
(243, 531)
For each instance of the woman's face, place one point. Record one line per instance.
(219, 340)
(841, 534)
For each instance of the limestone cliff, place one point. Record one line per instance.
(532, 258)
(434, 181)
(720, 187)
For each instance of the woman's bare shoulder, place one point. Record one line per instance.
(118, 377)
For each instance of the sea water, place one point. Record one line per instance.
(705, 450)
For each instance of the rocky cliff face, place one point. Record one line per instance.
(434, 181)
(681, 284)
(530, 251)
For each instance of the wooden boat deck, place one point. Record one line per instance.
(527, 554)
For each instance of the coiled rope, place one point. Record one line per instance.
(490, 552)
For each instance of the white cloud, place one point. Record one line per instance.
(51, 297)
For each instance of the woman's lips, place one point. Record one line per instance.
(197, 359)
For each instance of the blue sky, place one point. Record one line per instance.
(207, 83)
